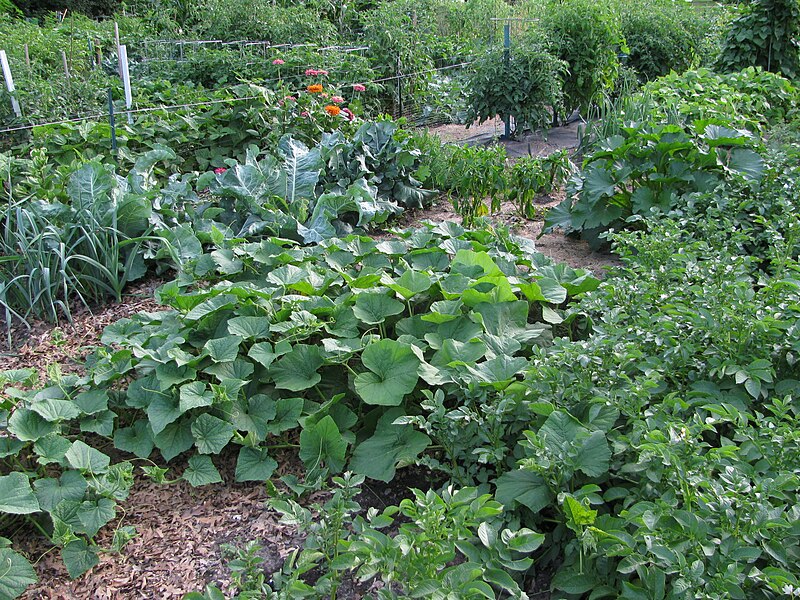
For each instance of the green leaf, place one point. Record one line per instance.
(393, 367)
(224, 349)
(101, 423)
(51, 448)
(322, 443)
(79, 557)
(499, 371)
(50, 492)
(16, 495)
(297, 370)
(523, 540)
(262, 353)
(373, 308)
(559, 431)
(573, 582)
(16, 574)
(409, 284)
(444, 311)
(83, 457)
(578, 514)
(377, 457)
(94, 514)
(594, 455)
(287, 415)
(302, 167)
(182, 242)
(201, 471)
(175, 438)
(137, 439)
(10, 446)
(254, 464)
(88, 188)
(503, 318)
(28, 426)
(249, 328)
(143, 391)
(254, 415)
(524, 487)
(470, 258)
(163, 410)
(552, 290)
(747, 163)
(93, 401)
(55, 409)
(171, 374)
(211, 434)
(194, 395)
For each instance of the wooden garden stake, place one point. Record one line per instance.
(64, 60)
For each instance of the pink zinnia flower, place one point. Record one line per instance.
(322, 72)
(359, 88)
(324, 94)
(220, 170)
(311, 72)
(304, 113)
(291, 98)
(277, 61)
(337, 99)
(349, 113)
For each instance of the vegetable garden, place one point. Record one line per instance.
(413, 408)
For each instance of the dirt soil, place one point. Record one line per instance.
(182, 530)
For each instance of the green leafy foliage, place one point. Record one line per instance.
(765, 35)
(587, 37)
(651, 165)
(530, 177)
(662, 36)
(525, 85)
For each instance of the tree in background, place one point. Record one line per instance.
(9, 8)
(94, 8)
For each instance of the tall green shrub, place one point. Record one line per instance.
(766, 35)
(661, 36)
(586, 35)
(9, 8)
(525, 87)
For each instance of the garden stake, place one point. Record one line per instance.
(9, 82)
(112, 123)
(506, 58)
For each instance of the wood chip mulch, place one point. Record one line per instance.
(68, 344)
(179, 543)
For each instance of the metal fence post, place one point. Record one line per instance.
(506, 59)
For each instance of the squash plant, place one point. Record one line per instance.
(322, 348)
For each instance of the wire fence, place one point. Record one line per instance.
(430, 107)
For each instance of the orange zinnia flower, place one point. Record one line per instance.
(315, 89)
(332, 110)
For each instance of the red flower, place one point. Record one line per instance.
(359, 88)
(220, 170)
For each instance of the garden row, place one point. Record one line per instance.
(640, 442)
